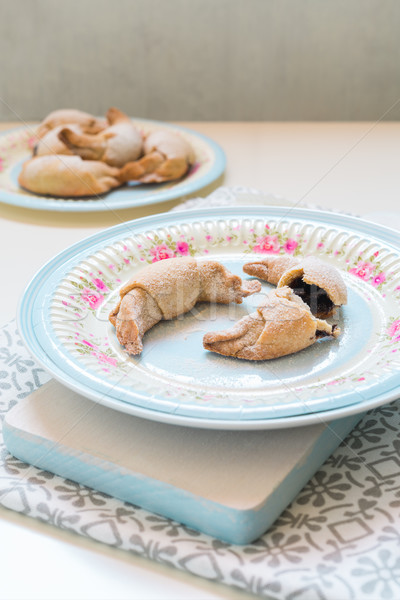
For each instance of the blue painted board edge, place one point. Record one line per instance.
(231, 525)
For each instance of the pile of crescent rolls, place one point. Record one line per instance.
(78, 155)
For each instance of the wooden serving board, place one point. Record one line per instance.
(229, 484)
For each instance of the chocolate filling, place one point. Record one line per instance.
(317, 299)
(322, 334)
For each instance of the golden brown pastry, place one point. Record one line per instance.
(171, 287)
(116, 145)
(66, 116)
(281, 326)
(51, 144)
(167, 156)
(67, 176)
(271, 268)
(319, 284)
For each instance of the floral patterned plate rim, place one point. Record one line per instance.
(63, 319)
(16, 147)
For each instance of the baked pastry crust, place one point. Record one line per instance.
(167, 156)
(171, 287)
(282, 325)
(50, 143)
(67, 176)
(318, 283)
(67, 116)
(116, 145)
(271, 268)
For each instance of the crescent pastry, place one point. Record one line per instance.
(115, 145)
(281, 326)
(67, 176)
(171, 287)
(50, 143)
(271, 268)
(319, 284)
(167, 156)
(66, 116)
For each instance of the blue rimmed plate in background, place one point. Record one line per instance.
(16, 148)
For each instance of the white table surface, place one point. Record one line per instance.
(352, 167)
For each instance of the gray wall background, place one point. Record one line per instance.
(202, 59)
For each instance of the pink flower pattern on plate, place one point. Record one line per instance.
(94, 299)
(267, 244)
(394, 330)
(378, 279)
(87, 343)
(290, 246)
(363, 270)
(182, 248)
(103, 358)
(100, 285)
(161, 252)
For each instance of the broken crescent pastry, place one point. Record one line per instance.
(319, 284)
(116, 145)
(66, 116)
(271, 268)
(167, 156)
(171, 287)
(281, 326)
(67, 176)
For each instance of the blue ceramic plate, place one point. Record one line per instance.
(16, 148)
(63, 318)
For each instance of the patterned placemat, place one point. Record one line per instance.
(339, 540)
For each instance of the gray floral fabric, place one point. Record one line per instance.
(339, 540)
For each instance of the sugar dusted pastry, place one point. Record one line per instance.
(270, 268)
(167, 156)
(280, 326)
(68, 116)
(51, 144)
(171, 287)
(116, 145)
(319, 284)
(67, 176)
